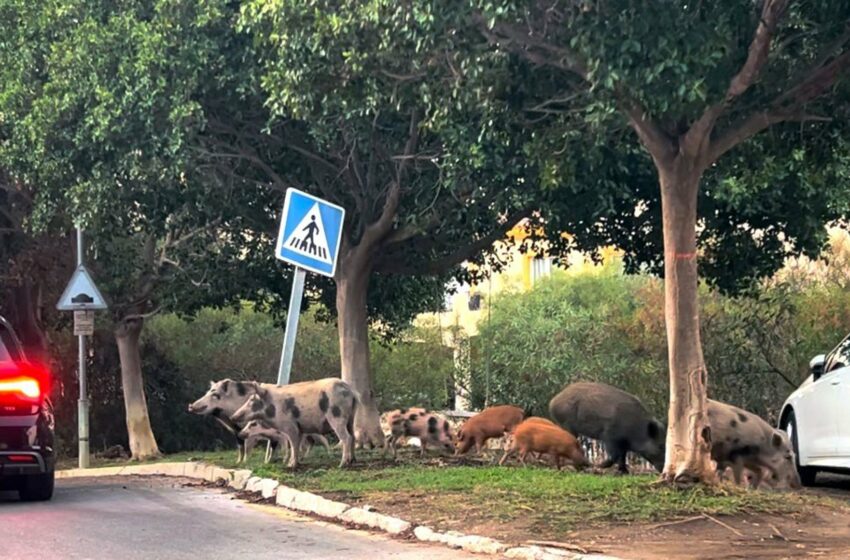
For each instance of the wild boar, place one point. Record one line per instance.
(312, 407)
(741, 440)
(431, 429)
(492, 422)
(618, 419)
(509, 439)
(542, 438)
(257, 430)
(223, 399)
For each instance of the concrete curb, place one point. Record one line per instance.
(307, 502)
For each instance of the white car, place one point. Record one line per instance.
(817, 415)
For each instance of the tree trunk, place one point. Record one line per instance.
(352, 284)
(688, 456)
(142, 442)
(23, 310)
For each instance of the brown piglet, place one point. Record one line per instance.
(493, 422)
(538, 437)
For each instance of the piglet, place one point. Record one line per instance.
(493, 422)
(431, 429)
(537, 437)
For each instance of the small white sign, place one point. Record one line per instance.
(81, 293)
(83, 323)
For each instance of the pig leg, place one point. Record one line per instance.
(466, 443)
(758, 473)
(738, 470)
(508, 452)
(422, 446)
(611, 449)
(323, 440)
(344, 429)
(248, 447)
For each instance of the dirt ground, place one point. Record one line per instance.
(816, 532)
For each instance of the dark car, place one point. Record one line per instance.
(26, 422)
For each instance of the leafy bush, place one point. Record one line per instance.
(608, 327)
(415, 371)
(568, 328)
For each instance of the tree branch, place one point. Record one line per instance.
(461, 254)
(533, 47)
(657, 142)
(787, 107)
(699, 134)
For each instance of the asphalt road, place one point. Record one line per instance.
(129, 518)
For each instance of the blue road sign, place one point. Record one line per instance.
(310, 232)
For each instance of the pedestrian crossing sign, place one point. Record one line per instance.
(310, 232)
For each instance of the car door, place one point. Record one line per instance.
(818, 409)
(837, 369)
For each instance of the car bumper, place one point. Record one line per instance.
(19, 463)
(26, 445)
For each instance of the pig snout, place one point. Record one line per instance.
(196, 408)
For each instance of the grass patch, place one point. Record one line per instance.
(440, 490)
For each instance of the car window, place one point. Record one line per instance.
(4, 353)
(840, 357)
(8, 350)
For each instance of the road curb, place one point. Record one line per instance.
(307, 502)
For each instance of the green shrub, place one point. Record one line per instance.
(568, 328)
(414, 371)
(608, 327)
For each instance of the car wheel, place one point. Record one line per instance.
(807, 474)
(37, 488)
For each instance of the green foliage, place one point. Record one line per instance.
(587, 69)
(566, 329)
(168, 392)
(417, 370)
(607, 327)
(219, 343)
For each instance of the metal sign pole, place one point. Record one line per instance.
(83, 403)
(292, 316)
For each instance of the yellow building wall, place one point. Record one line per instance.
(515, 277)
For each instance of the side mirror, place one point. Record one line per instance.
(816, 366)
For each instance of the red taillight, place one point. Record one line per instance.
(21, 458)
(23, 386)
(22, 382)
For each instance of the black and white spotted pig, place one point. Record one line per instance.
(431, 429)
(312, 407)
(257, 430)
(741, 440)
(223, 399)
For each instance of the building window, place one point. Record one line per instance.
(475, 302)
(541, 267)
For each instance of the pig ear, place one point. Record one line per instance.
(777, 439)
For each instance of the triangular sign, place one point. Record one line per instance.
(309, 237)
(81, 293)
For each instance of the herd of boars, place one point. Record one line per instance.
(297, 416)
